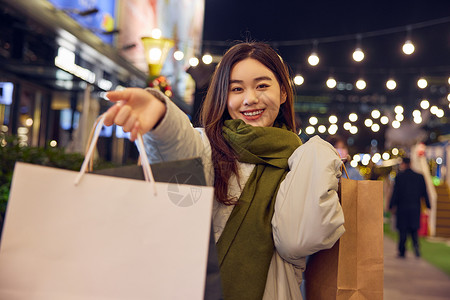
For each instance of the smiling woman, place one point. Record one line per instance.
(264, 211)
(255, 95)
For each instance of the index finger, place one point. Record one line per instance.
(118, 95)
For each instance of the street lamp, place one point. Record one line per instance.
(156, 51)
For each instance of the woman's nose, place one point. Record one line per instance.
(251, 98)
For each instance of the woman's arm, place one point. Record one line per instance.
(308, 216)
(167, 132)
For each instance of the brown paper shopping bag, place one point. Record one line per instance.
(103, 238)
(353, 267)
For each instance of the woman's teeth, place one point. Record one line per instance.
(253, 113)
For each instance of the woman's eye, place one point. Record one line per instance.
(236, 89)
(262, 86)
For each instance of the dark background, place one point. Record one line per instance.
(291, 27)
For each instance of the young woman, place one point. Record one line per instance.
(276, 202)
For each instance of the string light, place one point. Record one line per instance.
(386, 156)
(156, 33)
(178, 55)
(333, 119)
(417, 119)
(391, 84)
(368, 122)
(322, 129)
(347, 126)
(416, 113)
(399, 117)
(375, 127)
(310, 130)
(424, 104)
(361, 84)
(331, 82)
(353, 117)
(396, 124)
(193, 61)
(298, 80)
(408, 47)
(332, 129)
(313, 59)
(376, 158)
(434, 109)
(398, 109)
(422, 83)
(207, 59)
(375, 114)
(440, 113)
(353, 130)
(358, 55)
(313, 120)
(384, 120)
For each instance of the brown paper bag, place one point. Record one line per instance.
(353, 267)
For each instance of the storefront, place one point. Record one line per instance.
(54, 73)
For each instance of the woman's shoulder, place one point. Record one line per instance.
(315, 146)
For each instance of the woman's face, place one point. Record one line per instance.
(254, 94)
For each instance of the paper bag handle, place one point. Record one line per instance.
(345, 169)
(148, 175)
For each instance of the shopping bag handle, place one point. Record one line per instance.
(345, 169)
(148, 175)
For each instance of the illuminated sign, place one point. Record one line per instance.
(66, 61)
(101, 18)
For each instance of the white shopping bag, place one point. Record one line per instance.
(105, 238)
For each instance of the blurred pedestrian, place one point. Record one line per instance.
(341, 147)
(409, 190)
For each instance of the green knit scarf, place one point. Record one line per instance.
(246, 246)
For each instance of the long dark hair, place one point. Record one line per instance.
(214, 109)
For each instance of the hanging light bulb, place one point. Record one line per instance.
(193, 61)
(417, 119)
(310, 130)
(331, 82)
(422, 83)
(391, 84)
(368, 122)
(207, 59)
(408, 47)
(313, 59)
(313, 120)
(358, 55)
(361, 84)
(178, 55)
(353, 117)
(395, 124)
(398, 109)
(375, 114)
(156, 33)
(298, 80)
(332, 129)
(424, 104)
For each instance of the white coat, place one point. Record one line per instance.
(307, 216)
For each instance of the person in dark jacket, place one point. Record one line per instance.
(409, 190)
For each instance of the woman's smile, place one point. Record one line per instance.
(253, 114)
